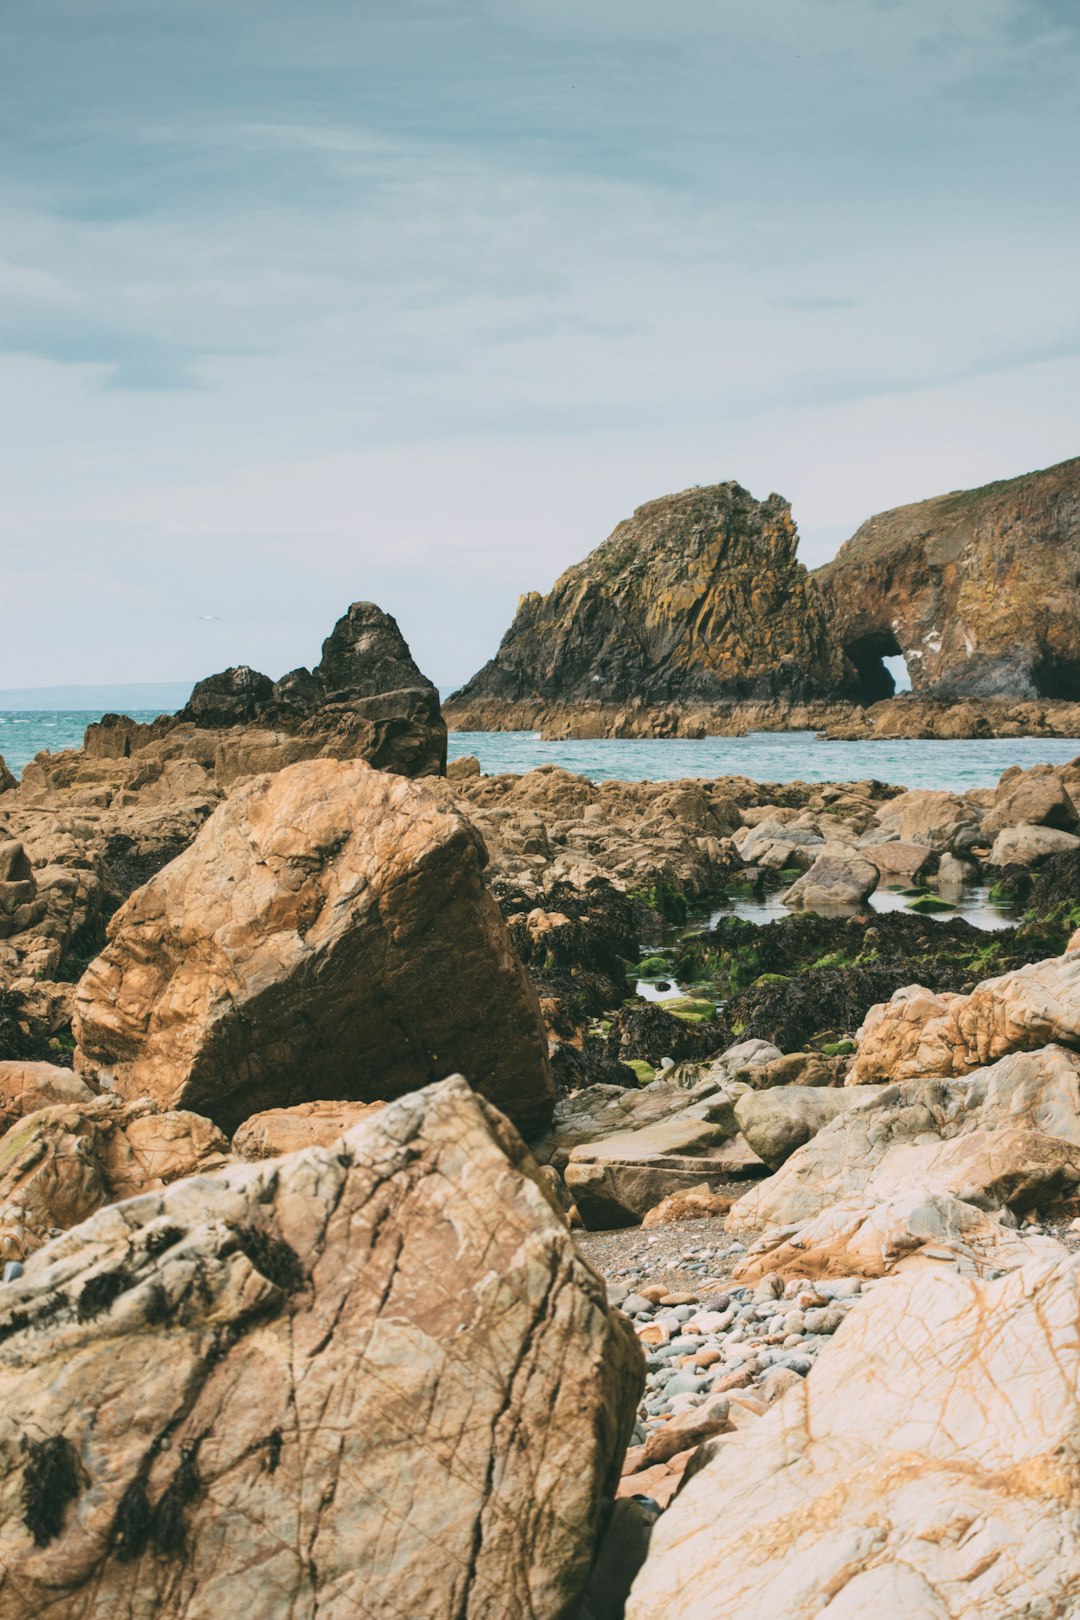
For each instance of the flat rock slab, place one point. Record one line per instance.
(371, 1379)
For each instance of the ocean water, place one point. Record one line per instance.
(764, 756)
(768, 756)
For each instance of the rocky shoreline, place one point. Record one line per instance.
(886, 721)
(385, 1249)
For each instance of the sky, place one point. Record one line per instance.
(414, 301)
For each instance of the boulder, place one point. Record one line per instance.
(328, 931)
(862, 1238)
(64, 1161)
(287, 1130)
(899, 862)
(616, 1181)
(924, 1469)
(601, 1111)
(793, 1069)
(832, 882)
(1009, 1134)
(777, 1122)
(919, 1034)
(26, 1087)
(7, 779)
(694, 1204)
(363, 1379)
(1035, 800)
(1024, 844)
(930, 818)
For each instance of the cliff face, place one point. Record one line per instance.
(696, 598)
(977, 589)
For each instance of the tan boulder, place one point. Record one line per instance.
(61, 1163)
(833, 882)
(328, 930)
(1022, 845)
(933, 819)
(25, 1087)
(924, 1469)
(919, 1034)
(287, 1130)
(858, 1237)
(615, 1181)
(358, 1380)
(1040, 799)
(778, 1121)
(898, 862)
(1009, 1134)
(692, 1204)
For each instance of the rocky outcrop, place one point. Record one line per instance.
(696, 598)
(1008, 1135)
(923, 1469)
(977, 590)
(365, 1379)
(287, 1130)
(327, 936)
(366, 697)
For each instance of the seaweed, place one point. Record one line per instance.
(272, 1257)
(50, 1481)
(100, 1292)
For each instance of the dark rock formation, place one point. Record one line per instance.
(366, 676)
(697, 598)
(977, 590)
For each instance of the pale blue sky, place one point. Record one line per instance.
(413, 301)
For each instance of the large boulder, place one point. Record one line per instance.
(1023, 844)
(1009, 1134)
(833, 882)
(26, 1087)
(928, 817)
(361, 1380)
(327, 936)
(64, 1161)
(924, 1469)
(777, 1121)
(918, 1034)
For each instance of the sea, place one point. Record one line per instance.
(765, 756)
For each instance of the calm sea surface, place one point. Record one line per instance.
(765, 756)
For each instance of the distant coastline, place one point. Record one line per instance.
(164, 697)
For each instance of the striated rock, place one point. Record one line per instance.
(328, 931)
(353, 1379)
(287, 1130)
(64, 1161)
(696, 598)
(943, 1489)
(858, 1237)
(977, 590)
(918, 1034)
(1008, 1134)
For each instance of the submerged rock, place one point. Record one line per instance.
(360, 1380)
(327, 936)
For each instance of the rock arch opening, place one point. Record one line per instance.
(880, 668)
(1057, 677)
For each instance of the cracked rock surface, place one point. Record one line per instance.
(373, 1379)
(327, 936)
(925, 1468)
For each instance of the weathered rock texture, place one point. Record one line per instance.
(374, 1380)
(925, 1469)
(977, 589)
(697, 597)
(67, 1159)
(327, 936)
(1008, 1134)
